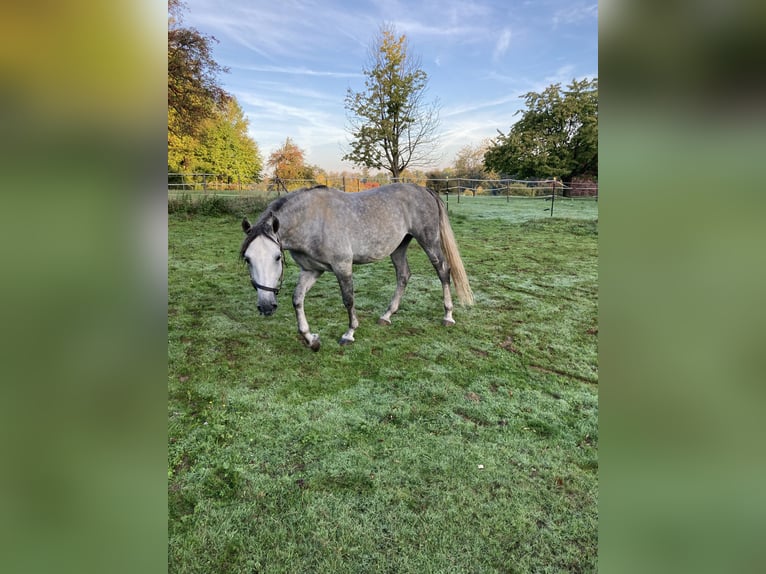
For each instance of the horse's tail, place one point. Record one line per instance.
(449, 246)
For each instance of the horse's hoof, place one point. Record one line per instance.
(313, 344)
(383, 321)
(448, 322)
(344, 341)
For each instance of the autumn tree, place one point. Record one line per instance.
(557, 136)
(193, 89)
(225, 148)
(391, 124)
(288, 161)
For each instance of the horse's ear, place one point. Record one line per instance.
(274, 223)
(245, 225)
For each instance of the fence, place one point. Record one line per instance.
(194, 183)
(202, 185)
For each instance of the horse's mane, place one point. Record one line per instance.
(260, 227)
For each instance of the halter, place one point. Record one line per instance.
(274, 290)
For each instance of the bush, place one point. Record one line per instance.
(519, 190)
(213, 205)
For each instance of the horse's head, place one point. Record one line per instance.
(262, 252)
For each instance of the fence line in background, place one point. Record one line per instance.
(510, 188)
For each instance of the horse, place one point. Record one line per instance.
(326, 229)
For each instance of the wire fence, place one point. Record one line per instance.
(530, 198)
(208, 183)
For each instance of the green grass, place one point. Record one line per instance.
(419, 448)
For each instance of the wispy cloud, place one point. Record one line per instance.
(475, 122)
(298, 71)
(502, 44)
(272, 120)
(472, 130)
(575, 14)
(423, 29)
(454, 111)
(562, 75)
(271, 31)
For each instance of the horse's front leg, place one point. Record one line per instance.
(306, 280)
(346, 282)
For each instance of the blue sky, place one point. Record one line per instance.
(292, 61)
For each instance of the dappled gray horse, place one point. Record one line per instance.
(325, 229)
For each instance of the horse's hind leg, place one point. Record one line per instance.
(435, 255)
(346, 282)
(305, 282)
(399, 259)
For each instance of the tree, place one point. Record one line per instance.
(390, 123)
(438, 179)
(225, 148)
(556, 137)
(182, 147)
(288, 161)
(469, 161)
(193, 90)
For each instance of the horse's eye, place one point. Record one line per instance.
(277, 258)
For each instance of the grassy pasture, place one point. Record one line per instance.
(417, 449)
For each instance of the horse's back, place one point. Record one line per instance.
(369, 224)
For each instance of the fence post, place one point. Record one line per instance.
(553, 195)
(204, 182)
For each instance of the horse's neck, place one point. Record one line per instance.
(289, 219)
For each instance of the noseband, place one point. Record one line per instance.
(274, 290)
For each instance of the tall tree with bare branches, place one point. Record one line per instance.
(391, 125)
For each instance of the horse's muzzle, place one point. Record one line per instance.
(266, 309)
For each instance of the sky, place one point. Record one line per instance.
(291, 62)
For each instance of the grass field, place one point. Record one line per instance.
(419, 448)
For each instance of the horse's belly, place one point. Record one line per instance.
(362, 259)
(374, 248)
(305, 261)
